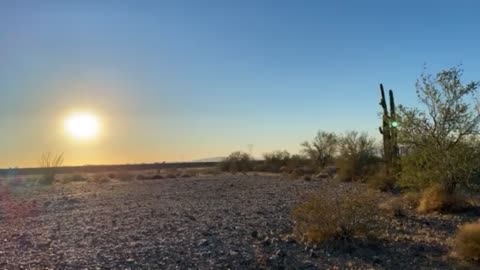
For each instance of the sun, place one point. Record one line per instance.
(82, 125)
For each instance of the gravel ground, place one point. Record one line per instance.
(205, 222)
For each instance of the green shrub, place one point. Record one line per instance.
(439, 137)
(237, 162)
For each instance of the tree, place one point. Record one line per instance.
(357, 156)
(322, 149)
(439, 138)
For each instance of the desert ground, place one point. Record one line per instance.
(205, 221)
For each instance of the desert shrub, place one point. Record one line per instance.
(142, 177)
(335, 215)
(49, 163)
(412, 199)
(394, 207)
(437, 199)
(100, 177)
(274, 161)
(380, 181)
(298, 162)
(322, 149)
(125, 176)
(74, 178)
(357, 157)
(185, 175)
(438, 138)
(296, 174)
(211, 170)
(171, 175)
(467, 241)
(237, 162)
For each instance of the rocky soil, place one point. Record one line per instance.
(205, 222)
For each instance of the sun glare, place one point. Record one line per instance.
(82, 125)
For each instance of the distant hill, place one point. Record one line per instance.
(212, 159)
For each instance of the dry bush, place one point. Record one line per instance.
(125, 176)
(237, 162)
(358, 157)
(100, 178)
(296, 174)
(467, 241)
(185, 175)
(74, 178)
(335, 215)
(211, 171)
(380, 181)
(49, 163)
(394, 207)
(412, 199)
(274, 161)
(437, 199)
(170, 175)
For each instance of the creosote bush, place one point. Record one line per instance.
(467, 241)
(237, 162)
(331, 216)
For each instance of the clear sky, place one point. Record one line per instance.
(182, 80)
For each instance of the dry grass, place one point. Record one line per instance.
(74, 178)
(394, 207)
(125, 176)
(335, 215)
(380, 181)
(412, 199)
(467, 241)
(436, 199)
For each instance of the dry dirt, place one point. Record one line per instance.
(205, 222)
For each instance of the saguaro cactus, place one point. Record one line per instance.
(389, 132)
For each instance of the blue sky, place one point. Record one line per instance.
(182, 80)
